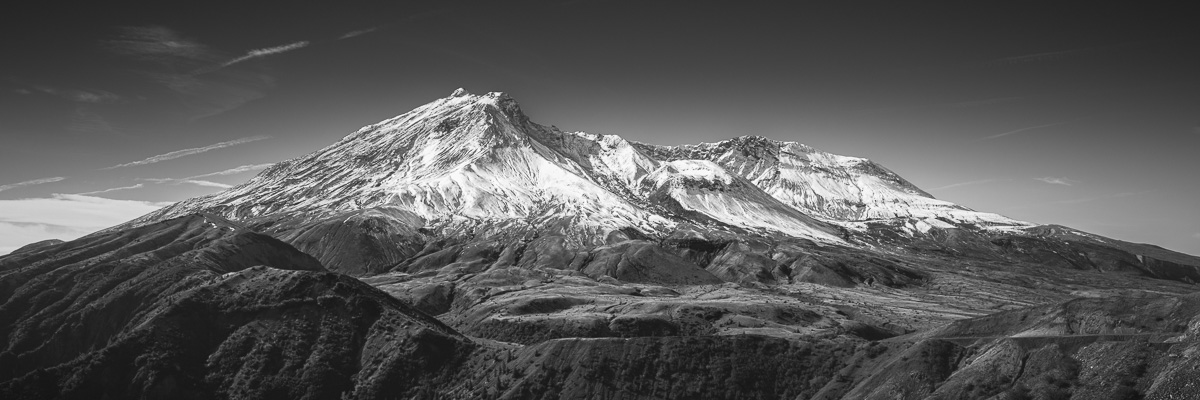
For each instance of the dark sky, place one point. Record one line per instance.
(1081, 114)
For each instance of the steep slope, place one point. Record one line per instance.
(103, 282)
(458, 161)
(197, 307)
(470, 159)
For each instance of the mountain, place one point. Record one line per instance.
(479, 157)
(461, 250)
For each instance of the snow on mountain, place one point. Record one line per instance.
(706, 188)
(470, 159)
(839, 189)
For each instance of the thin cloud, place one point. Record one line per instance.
(1062, 54)
(359, 32)
(137, 186)
(160, 45)
(1057, 181)
(263, 52)
(192, 71)
(31, 183)
(1196, 235)
(196, 179)
(1013, 132)
(934, 106)
(954, 185)
(233, 171)
(208, 183)
(84, 120)
(187, 152)
(82, 96)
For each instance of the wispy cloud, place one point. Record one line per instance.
(160, 45)
(1030, 128)
(1196, 235)
(1057, 181)
(208, 183)
(233, 171)
(934, 106)
(969, 183)
(1056, 55)
(84, 120)
(359, 32)
(82, 96)
(197, 182)
(196, 179)
(263, 52)
(194, 72)
(137, 186)
(187, 152)
(30, 183)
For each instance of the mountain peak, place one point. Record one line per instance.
(478, 157)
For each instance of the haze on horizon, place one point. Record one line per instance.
(1086, 116)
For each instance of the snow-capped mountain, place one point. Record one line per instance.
(492, 252)
(468, 159)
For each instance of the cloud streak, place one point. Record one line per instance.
(197, 182)
(187, 152)
(30, 183)
(233, 171)
(137, 186)
(954, 185)
(1057, 181)
(359, 32)
(82, 96)
(196, 179)
(263, 52)
(934, 106)
(1013, 132)
(1062, 54)
(193, 72)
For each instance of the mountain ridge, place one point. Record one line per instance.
(466, 154)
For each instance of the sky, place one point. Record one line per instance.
(1079, 114)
